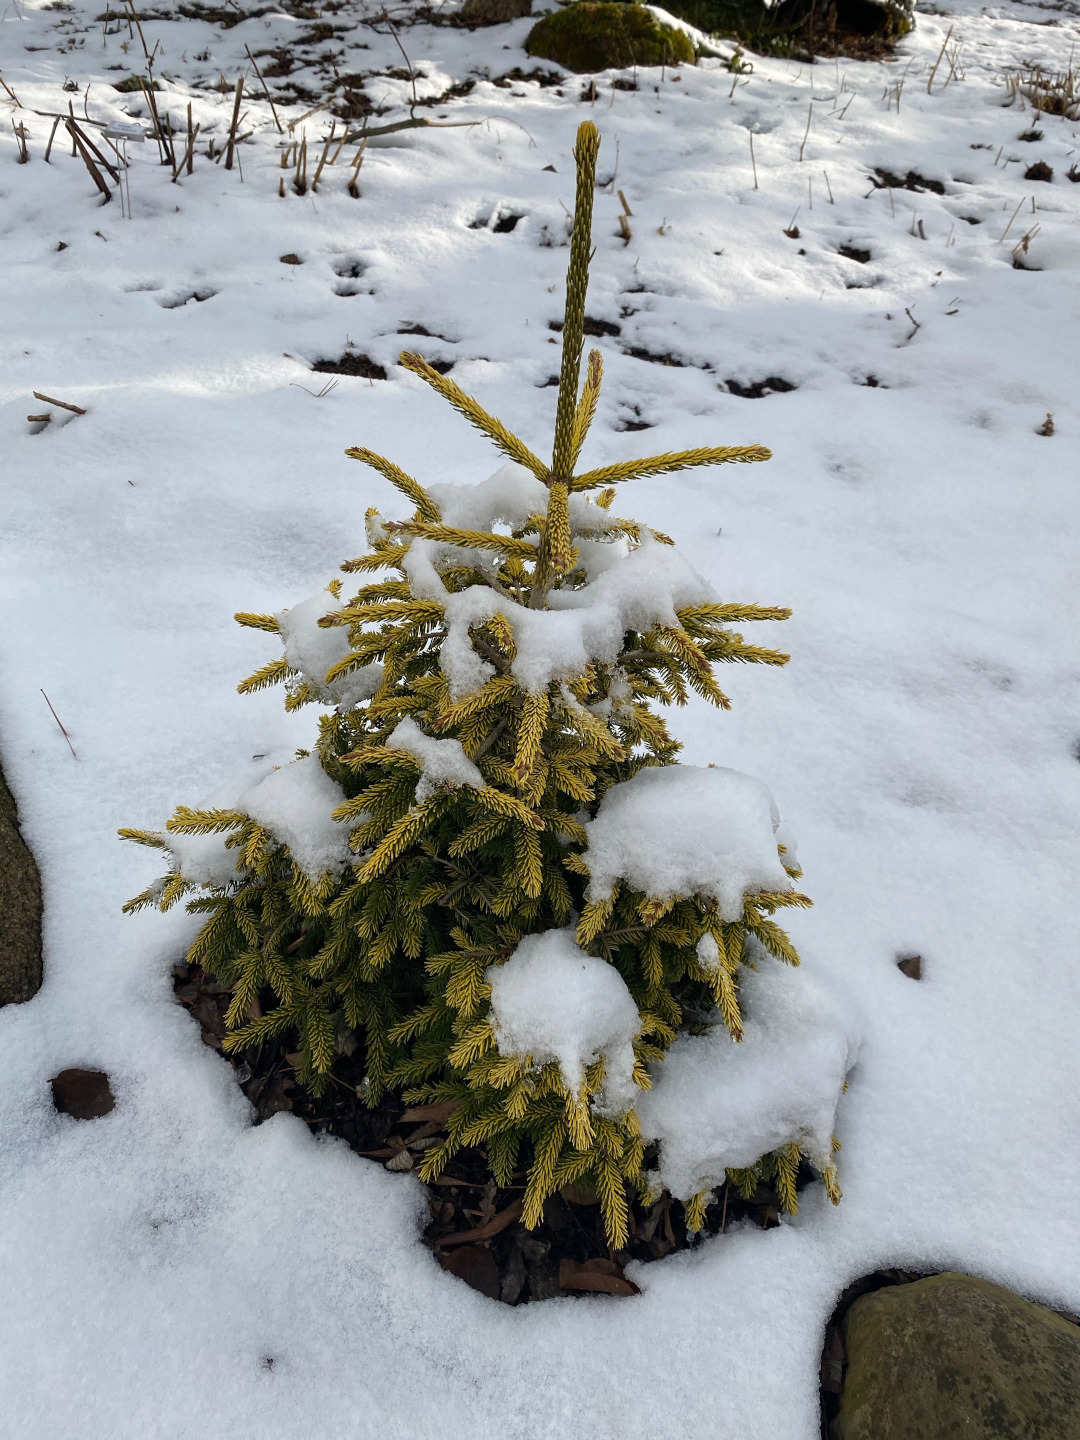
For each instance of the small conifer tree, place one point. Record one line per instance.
(491, 686)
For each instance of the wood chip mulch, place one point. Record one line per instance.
(475, 1227)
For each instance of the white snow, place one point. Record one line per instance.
(293, 801)
(552, 1001)
(633, 590)
(681, 830)
(922, 739)
(442, 762)
(717, 1104)
(296, 803)
(708, 952)
(313, 650)
(204, 859)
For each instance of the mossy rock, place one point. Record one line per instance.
(956, 1358)
(587, 36)
(20, 909)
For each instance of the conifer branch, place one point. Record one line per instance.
(577, 284)
(467, 539)
(494, 429)
(586, 408)
(257, 622)
(668, 463)
(410, 488)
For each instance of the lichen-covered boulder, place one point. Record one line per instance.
(493, 12)
(956, 1358)
(20, 909)
(588, 36)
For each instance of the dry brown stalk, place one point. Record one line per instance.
(266, 91)
(937, 62)
(300, 178)
(322, 159)
(63, 404)
(59, 722)
(20, 137)
(164, 154)
(1010, 224)
(188, 156)
(103, 160)
(235, 122)
(806, 136)
(79, 147)
(354, 188)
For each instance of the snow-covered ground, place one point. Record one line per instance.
(171, 1271)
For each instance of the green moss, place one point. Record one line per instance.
(134, 85)
(953, 1356)
(589, 36)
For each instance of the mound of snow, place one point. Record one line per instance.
(204, 859)
(296, 804)
(551, 1001)
(442, 762)
(313, 650)
(717, 1104)
(680, 830)
(625, 589)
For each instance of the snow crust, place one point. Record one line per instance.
(313, 650)
(552, 1001)
(681, 830)
(443, 762)
(717, 1104)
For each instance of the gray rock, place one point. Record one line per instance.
(956, 1358)
(20, 909)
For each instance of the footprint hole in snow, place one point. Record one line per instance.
(352, 363)
(633, 421)
(442, 366)
(413, 328)
(178, 301)
(758, 389)
(506, 221)
(593, 326)
(655, 357)
(348, 267)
